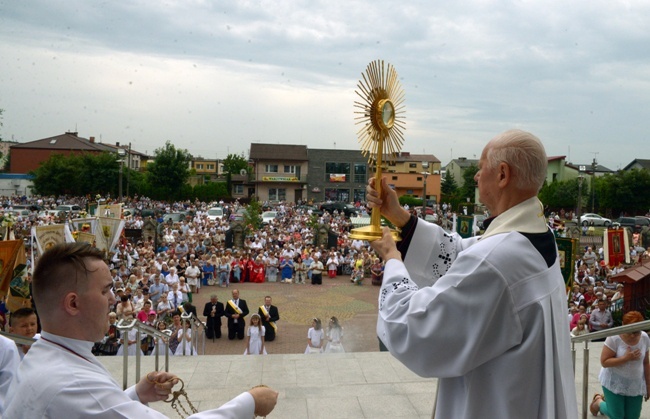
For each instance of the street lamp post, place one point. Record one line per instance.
(425, 166)
(581, 179)
(121, 153)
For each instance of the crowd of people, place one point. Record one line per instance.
(156, 282)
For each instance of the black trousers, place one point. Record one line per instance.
(236, 329)
(316, 279)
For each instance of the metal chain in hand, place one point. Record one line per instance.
(176, 402)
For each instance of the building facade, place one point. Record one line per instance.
(279, 172)
(457, 166)
(337, 175)
(410, 174)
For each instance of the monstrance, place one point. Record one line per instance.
(382, 115)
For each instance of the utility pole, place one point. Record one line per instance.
(594, 165)
(128, 171)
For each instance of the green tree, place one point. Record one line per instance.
(252, 216)
(168, 172)
(449, 187)
(234, 164)
(77, 174)
(469, 185)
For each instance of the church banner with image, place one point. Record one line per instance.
(13, 274)
(87, 225)
(50, 235)
(464, 226)
(109, 211)
(616, 247)
(567, 249)
(108, 233)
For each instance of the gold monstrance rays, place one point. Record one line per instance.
(381, 136)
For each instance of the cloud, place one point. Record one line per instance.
(215, 76)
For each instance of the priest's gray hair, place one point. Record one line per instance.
(525, 155)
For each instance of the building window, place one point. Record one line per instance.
(289, 169)
(413, 165)
(210, 166)
(271, 168)
(277, 194)
(199, 166)
(392, 163)
(337, 172)
(359, 195)
(394, 178)
(360, 170)
(238, 189)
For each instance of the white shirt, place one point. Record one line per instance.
(78, 386)
(9, 361)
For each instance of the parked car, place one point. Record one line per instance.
(590, 219)
(215, 213)
(348, 209)
(268, 216)
(633, 223)
(174, 217)
(74, 209)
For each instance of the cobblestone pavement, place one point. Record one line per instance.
(355, 306)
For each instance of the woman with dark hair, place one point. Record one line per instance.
(625, 375)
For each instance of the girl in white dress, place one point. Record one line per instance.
(255, 337)
(160, 342)
(315, 337)
(131, 341)
(185, 341)
(334, 335)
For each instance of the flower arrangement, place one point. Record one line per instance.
(8, 220)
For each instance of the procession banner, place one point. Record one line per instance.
(108, 233)
(616, 247)
(48, 236)
(464, 226)
(87, 225)
(109, 210)
(83, 237)
(13, 274)
(567, 249)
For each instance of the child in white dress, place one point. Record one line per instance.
(255, 337)
(160, 342)
(185, 341)
(334, 335)
(131, 342)
(315, 337)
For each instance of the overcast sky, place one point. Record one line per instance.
(215, 76)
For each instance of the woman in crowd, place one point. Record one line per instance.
(332, 263)
(125, 309)
(209, 267)
(223, 268)
(625, 373)
(377, 271)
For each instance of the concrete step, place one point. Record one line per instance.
(328, 386)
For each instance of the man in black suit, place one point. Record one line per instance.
(270, 316)
(236, 311)
(213, 311)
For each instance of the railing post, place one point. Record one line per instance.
(585, 380)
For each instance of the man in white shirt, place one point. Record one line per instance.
(9, 360)
(72, 288)
(511, 357)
